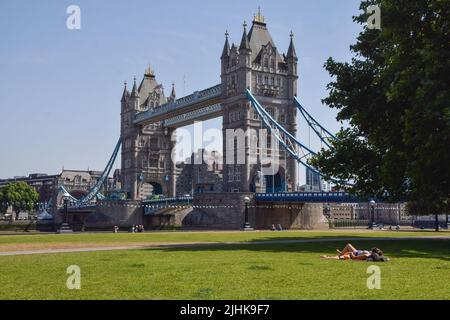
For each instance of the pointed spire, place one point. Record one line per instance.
(149, 72)
(291, 51)
(259, 18)
(134, 92)
(244, 42)
(226, 47)
(125, 93)
(173, 94)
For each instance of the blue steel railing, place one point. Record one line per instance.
(308, 197)
(152, 206)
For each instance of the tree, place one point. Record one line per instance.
(3, 206)
(395, 95)
(20, 196)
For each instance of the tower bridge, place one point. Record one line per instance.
(258, 90)
(148, 118)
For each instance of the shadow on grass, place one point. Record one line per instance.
(417, 249)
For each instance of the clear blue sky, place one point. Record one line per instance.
(60, 89)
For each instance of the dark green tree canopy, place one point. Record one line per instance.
(395, 94)
(20, 196)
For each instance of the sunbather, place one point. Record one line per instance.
(350, 252)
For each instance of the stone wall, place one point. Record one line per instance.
(224, 211)
(219, 211)
(298, 216)
(116, 213)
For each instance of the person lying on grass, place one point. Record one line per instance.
(350, 252)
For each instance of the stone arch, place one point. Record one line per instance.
(77, 193)
(150, 188)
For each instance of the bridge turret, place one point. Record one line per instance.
(225, 57)
(173, 95)
(125, 94)
(291, 60)
(134, 97)
(272, 77)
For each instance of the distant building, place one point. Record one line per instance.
(77, 182)
(313, 181)
(202, 175)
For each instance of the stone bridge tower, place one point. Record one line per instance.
(272, 78)
(146, 151)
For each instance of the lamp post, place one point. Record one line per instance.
(65, 227)
(372, 214)
(66, 203)
(246, 226)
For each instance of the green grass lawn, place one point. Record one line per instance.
(17, 242)
(419, 269)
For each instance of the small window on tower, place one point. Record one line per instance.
(154, 143)
(266, 62)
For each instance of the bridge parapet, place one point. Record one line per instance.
(307, 197)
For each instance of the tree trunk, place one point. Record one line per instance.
(437, 222)
(17, 215)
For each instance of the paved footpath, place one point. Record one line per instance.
(207, 244)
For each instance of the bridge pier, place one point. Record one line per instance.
(227, 210)
(124, 213)
(307, 216)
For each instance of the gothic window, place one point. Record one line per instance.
(154, 143)
(269, 141)
(272, 63)
(259, 79)
(237, 173)
(266, 62)
(233, 61)
(266, 80)
(233, 80)
(161, 164)
(282, 118)
(144, 162)
(154, 163)
(128, 144)
(255, 115)
(278, 82)
(272, 81)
